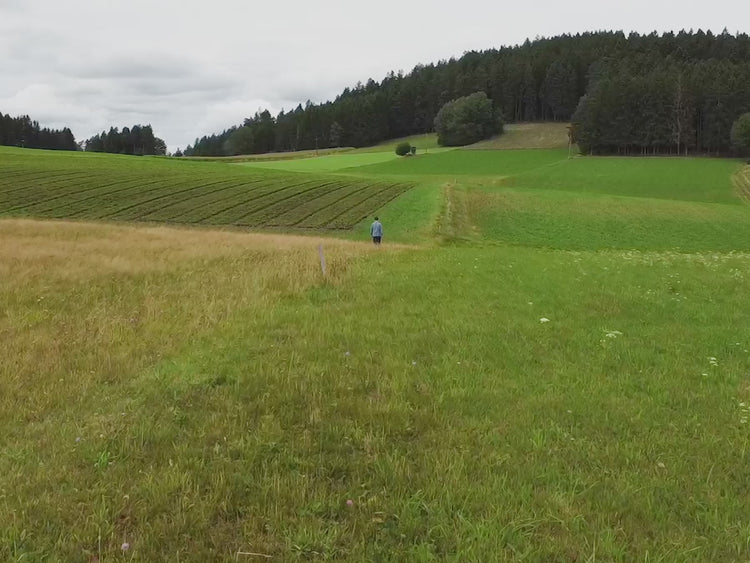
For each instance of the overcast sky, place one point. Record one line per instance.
(195, 67)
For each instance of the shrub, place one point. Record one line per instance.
(467, 120)
(403, 148)
(741, 133)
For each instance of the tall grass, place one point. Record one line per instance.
(198, 402)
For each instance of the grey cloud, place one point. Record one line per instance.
(30, 48)
(191, 85)
(131, 67)
(12, 6)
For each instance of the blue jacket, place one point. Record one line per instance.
(376, 229)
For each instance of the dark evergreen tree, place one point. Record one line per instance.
(335, 135)
(241, 141)
(138, 140)
(23, 132)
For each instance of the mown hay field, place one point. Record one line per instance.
(115, 188)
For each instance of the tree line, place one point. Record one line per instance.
(137, 140)
(23, 132)
(539, 80)
(662, 107)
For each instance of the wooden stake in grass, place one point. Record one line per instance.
(322, 259)
(250, 554)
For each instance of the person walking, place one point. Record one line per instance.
(376, 231)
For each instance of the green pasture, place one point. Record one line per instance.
(326, 163)
(547, 360)
(690, 179)
(481, 163)
(424, 143)
(354, 158)
(575, 221)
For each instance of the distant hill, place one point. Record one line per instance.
(670, 93)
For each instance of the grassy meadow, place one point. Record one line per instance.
(548, 360)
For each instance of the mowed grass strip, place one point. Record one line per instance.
(328, 201)
(226, 211)
(350, 204)
(359, 210)
(111, 187)
(228, 191)
(77, 199)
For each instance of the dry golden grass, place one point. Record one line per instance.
(528, 136)
(84, 304)
(741, 181)
(82, 250)
(89, 311)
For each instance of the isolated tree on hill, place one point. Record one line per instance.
(741, 133)
(404, 148)
(467, 120)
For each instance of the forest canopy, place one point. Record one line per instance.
(23, 132)
(138, 140)
(693, 85)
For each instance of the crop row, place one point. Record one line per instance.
(216, 196)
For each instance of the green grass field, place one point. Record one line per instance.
(547, 361)
(354, 158)
(327, 163)
(480, 163)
